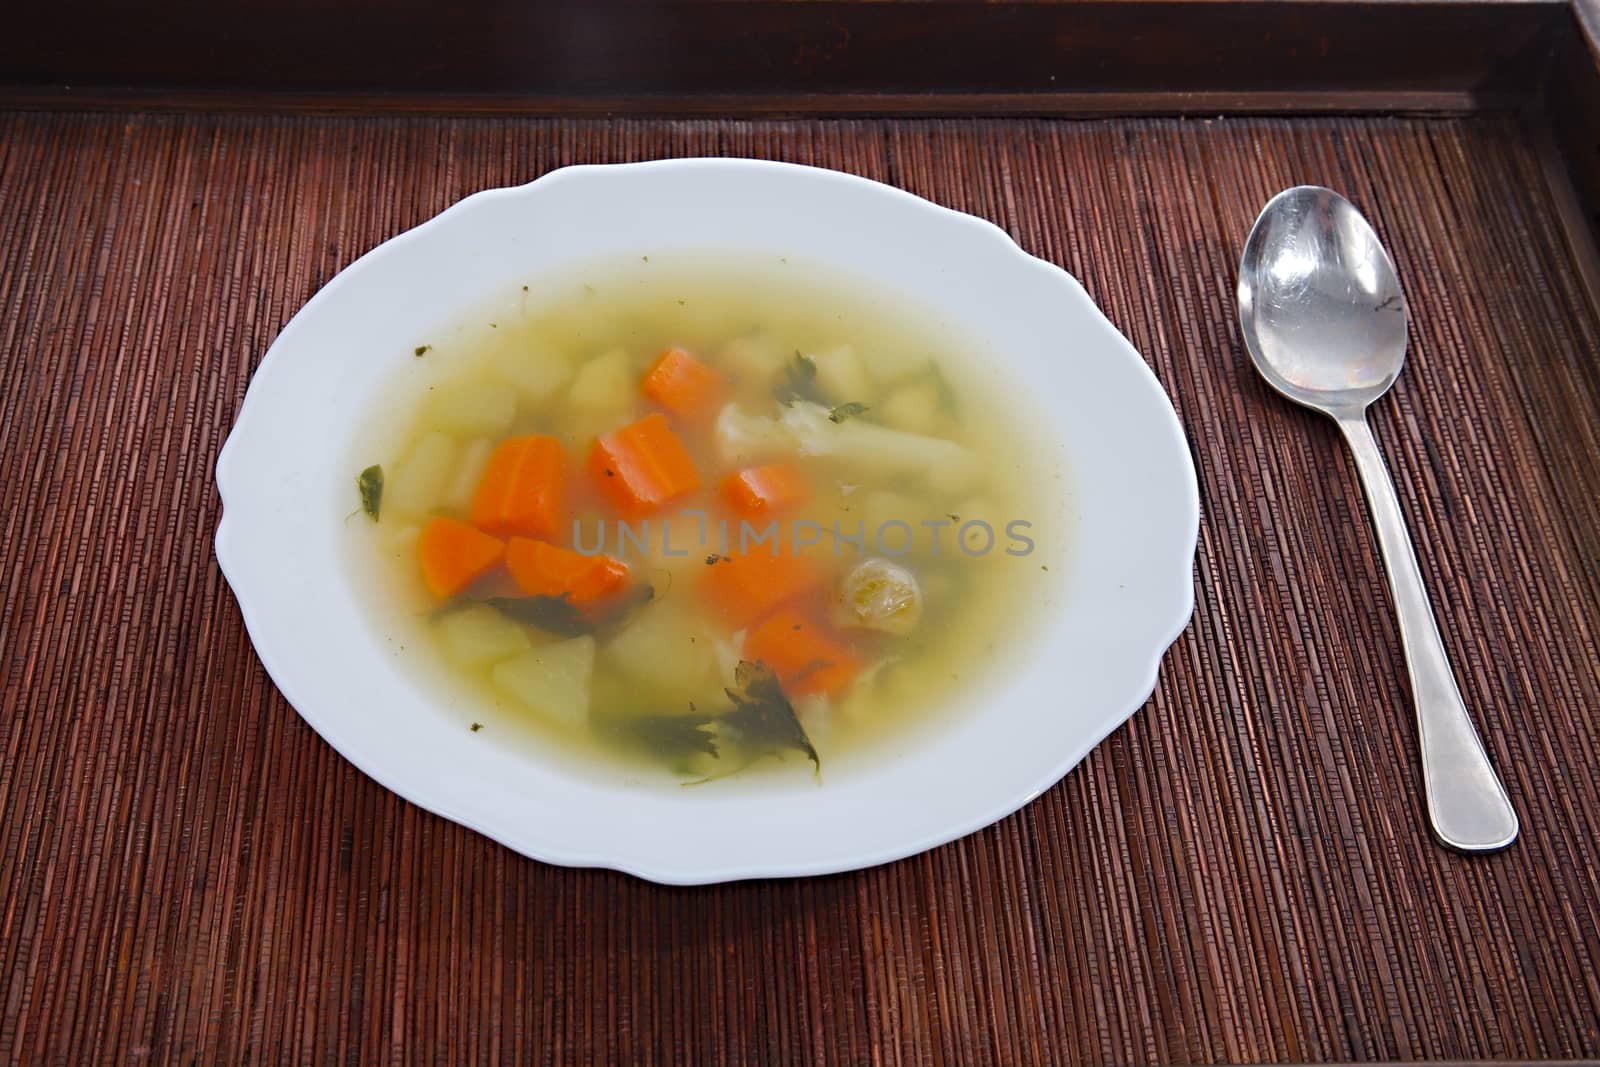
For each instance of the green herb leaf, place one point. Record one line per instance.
(761, 723)
(800, 380)
(626, 604)
(421, 350)
(370, 482)
(803, 369)
(762, 718)
(674, 738)
(552, 614)
(558, 615)
(847, 411)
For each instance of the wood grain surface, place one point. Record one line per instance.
(1242, 873)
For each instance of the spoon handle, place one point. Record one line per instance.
(1466, 802)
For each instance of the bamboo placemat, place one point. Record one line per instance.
(187, 873)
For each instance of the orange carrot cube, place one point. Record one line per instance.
(643, 466)
(453, 555)
(767, 490)
(522, 489)
(744, 588)
(542, 569)
(683, 385)
(806, 657)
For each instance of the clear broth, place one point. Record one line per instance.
(487, 376)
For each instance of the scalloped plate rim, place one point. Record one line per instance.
(236, 570)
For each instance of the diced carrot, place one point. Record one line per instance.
(643, 466)
(744, 588)
(765, 490)
(454, 555)
(683, 385)
(522, 488)
(806, 658)
(542, 569)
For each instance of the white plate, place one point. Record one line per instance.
(1134, 508)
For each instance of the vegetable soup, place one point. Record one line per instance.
(712, 515)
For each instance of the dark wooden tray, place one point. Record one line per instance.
(1242, 873)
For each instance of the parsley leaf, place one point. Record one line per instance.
(370, 483)
(674, 738)
(560, 616)
(762, 718)
(552, 614)
(800, 381)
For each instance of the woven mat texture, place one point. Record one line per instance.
(189, 874)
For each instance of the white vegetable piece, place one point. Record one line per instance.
(913, 407)
(474, 408)
(666, 650)
(745, 438)
(469, 471)
(893, 363)
(551, 680)
(877, 594)
(538, 373)
(842, 376)
(601, 382)
(479, 634)
(816, 713)
(805, 428)
(419, 482)
(946, 466)
(756, 359)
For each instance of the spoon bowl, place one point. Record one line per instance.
(1320, 302)
(1324, 320)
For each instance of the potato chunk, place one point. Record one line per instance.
(551, 680)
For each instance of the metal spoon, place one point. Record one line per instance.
(1324, 319)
